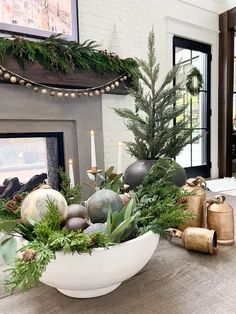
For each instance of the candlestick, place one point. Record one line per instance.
(119, 158)
(71, 173)
(93, 151)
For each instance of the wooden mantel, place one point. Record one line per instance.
(77, 79)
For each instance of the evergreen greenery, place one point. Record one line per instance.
(156, 108)
(160, 201)
(71, 194)
(56, 54)
(49, 238)
(192, 86)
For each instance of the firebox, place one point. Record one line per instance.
(26, 155)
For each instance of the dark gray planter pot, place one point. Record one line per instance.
(136, 172)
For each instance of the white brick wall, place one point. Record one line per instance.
(123, 26)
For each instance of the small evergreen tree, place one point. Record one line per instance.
(156, 108)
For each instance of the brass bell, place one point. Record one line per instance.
(197, 239)
(220, 217)
(195, 203)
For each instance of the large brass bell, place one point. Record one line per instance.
(220, 217)
(195, 203)
(197, 239)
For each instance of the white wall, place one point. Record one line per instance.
(123, 26)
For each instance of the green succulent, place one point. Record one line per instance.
(121, 225)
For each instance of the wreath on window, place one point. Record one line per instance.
(194, 82)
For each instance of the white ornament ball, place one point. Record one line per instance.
(52, 93)
(125, 77)
(91, 94)
(102, 91)
(72, 95)
(1, 72)
(13, 79)
(97, 93)
(59, 94)
(44, 91)
(6, 76)
(85, 94)
(28, 85)
(117, 83)
(66, 95)
(34, 206)
(36, 89)
(112, 86)
(21, 82)
(107, 89)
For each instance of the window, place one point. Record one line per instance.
(195, 157)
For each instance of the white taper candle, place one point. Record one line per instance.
(93, 151)
(71, 173)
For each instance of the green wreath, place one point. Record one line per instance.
(192, 87)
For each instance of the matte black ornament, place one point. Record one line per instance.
(136, 172)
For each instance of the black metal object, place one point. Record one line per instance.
(203, 170)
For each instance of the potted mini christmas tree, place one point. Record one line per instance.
(158, 122)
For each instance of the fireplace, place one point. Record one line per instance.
(24, 114)
(24, 155)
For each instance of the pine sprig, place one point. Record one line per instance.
(160, 201)
(49, 238)
(25, 275)
(156, 107)
(71, 194)
(56, 54)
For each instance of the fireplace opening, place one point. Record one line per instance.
(24, 156)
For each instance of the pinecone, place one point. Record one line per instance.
(29, 255)
(18, 198)
(12, 206)
(183, 200)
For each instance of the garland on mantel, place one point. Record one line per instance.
(15, 78)
(56, 54)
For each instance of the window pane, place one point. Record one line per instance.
(199, 60)
(184, 158)
(184, 100)
(22, 158)
(199, 153)
(182, 55)
(199, 110)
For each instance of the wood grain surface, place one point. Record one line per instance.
(175, 281)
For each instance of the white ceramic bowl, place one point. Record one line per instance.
(87, 276)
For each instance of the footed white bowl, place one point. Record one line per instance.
(86, 276)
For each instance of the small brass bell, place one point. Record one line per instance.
(197, 239)
(220, 217)
(196, 202)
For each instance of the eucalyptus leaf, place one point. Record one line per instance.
(91, 176)
(129, 208)
(116, 234)
(8, 226)
(109, 171)
(2, 235)
(8, 250)
(31, 221)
